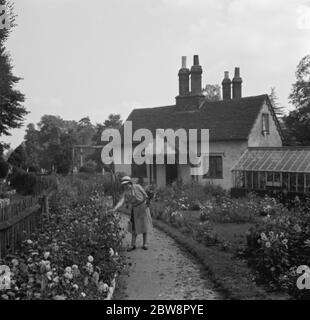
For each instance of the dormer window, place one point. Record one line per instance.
(265, 123)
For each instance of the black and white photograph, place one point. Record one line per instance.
(155, 151)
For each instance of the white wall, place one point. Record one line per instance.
(230, 152)
(257, 139)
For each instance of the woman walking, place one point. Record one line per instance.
(140, 221)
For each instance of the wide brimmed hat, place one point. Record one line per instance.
(126, 180)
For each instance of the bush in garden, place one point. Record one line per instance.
(277, 247)
(24, 183)
(89, 167)
(4, 168)
(214, 190)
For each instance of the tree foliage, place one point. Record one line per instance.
(298, 120)
(12, 112)
(49, 145)
(113, 122)
(212, 92)
(279, 110)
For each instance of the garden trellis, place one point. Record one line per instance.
(285, 169)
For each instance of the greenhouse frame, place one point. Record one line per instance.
(285, 169)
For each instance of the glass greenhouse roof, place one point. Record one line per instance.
(275, 160)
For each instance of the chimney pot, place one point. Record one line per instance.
(196, 77)
(237, 84)
(184, 62)
(237, 72)
(226, 86)
(184, 78)
(196, 60)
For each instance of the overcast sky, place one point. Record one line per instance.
(92, 58)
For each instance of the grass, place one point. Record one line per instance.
(232, 233)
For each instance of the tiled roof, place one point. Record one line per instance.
(226, 120)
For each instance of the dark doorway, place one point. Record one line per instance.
(171, 173)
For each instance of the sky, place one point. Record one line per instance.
(91, 58)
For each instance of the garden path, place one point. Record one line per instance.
(164, 272)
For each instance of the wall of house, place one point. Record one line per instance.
(231, 152)
(256, 137)
(161, 176)
(184, 173)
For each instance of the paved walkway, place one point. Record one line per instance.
(164, 272)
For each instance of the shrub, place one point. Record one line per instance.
(214, 190)
(278, 246)
(89, 167)
(4, 168)
(24, 183)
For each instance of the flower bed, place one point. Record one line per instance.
(277, 243)
(277, 247)
(73, 256)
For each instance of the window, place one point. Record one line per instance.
(265, 123)
(138, 170)
(215, 168)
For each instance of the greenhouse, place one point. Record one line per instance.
(285, 169)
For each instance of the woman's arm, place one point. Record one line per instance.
(120, 203)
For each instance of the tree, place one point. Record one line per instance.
(212, 92)
(298, 120)
(85, 131)
(114, 121)
(4, 168)
(12, 112)
(32, 146)
(279, 110)
(18, 158)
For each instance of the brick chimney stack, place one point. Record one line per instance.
(184, 78)
(237, 84)
(226, 86)
(196, 74)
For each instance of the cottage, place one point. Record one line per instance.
(235, 124)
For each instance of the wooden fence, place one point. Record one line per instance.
(19, 220)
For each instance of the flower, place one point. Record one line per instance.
(111, 252)
(263, 236)
(90, 259)
(29, 242)
(297, 228)
(89, 267)
(46, 255)
(15, 262)
(68, 270)
(5, 277)
(68, 273)
(307, 243)
(268, 244)
(49, 275)
(83, 294)
(103, 287)
(75, 286)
